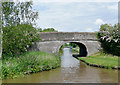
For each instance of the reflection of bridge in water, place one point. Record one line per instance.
(52, 42)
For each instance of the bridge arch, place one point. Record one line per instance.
(83, 52)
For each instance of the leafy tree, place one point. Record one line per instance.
(73, 45)
(39, 29)
(0, 29)
(18, 31)
(17, 39)
(49, 30)
(18, 13)
(109, 36)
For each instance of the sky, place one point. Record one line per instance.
(75, 15)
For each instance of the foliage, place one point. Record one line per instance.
(65, 45)
(0, 69)
(102, 59)
(17, 39)
(29, 62)
(76, 49)
(109, 36)
(73, 45)
(18, 35)
(18, 13)
(0, 29)
(46, 30)
(49, 30)
(39, 29)
(0, 43)
(18, 30)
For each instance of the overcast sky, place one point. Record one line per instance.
(76, 15)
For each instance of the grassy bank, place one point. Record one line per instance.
(101, 59)
(30, 62)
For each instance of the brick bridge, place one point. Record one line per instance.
(52, 42)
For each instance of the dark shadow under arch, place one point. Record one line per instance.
(83, 50)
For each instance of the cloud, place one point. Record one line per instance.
(69, 1)
(74, 16)
(99, 22)
(47, 1)
(90, 29)
(76, 0)
(113, 7)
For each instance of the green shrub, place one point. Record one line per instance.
(109, 36)
(17, 39)
(29, 62)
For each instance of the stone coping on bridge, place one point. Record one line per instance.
(75, 40)
(69, 32)
(53, 36)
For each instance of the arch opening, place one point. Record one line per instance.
(82, 48)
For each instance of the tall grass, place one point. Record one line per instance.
(29, 62)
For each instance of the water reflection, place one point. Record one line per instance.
(67, 60)
(71, 71)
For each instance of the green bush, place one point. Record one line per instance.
(17, 39)
(29, 62)
(109, 36)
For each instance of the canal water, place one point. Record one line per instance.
(71, 71)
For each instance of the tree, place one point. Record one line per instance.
(17, 39)
(73, 45)
(18, 31)
(49, 30)
(18, 13)
(109, 36)
(0, 29)
(39, 29)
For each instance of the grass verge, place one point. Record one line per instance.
(101, 59)
(29, 62)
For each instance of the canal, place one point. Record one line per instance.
(71, 71)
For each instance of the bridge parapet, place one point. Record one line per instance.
(66, 36)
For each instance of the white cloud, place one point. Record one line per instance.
(73, 17)
(76, 0)
(69, 1)
(89, 29)
(99, 22)
(113, 7)
(47, 1)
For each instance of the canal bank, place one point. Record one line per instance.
(101, 60)
(71, 71)
(29, 62)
